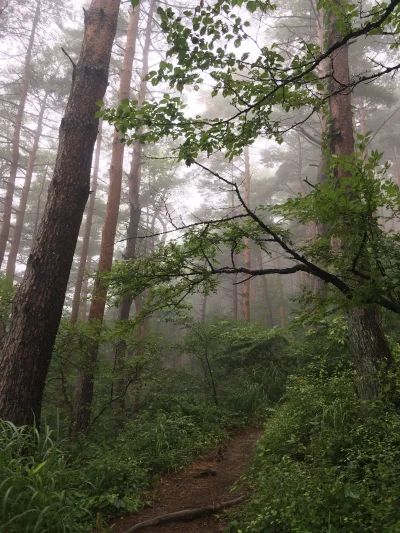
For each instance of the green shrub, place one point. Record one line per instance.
(326, 463)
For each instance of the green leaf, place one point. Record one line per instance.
(135, 3)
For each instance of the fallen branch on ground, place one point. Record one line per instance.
(186, 514)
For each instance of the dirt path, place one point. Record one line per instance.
(186, 490)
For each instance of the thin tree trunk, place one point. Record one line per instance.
(282, 315)
(12, 256)
(268, 310)
(83, 308)
(8, 200)
(203, 309)
(39, 301)
(234, 276)
(366, 336)
(88, 227)
(246, 252)
(85, 384)
(37, 215)
(134, 182)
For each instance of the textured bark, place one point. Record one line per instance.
(39, 301)
(12, 255)
(8, 200)
(88, 227)
(371, 351)
(234, 276)
(246, 252)
(366, 336)
(85, 383)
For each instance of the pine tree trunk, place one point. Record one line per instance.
(85, 384)
(37, 215)
(12, 256)
(366, 336)
(8, 200)
(39, 301)
(246, 252)
(88, 227)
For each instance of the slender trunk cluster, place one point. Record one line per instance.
(8, 201)
(85, 384)
(38, 304)
(12, 255)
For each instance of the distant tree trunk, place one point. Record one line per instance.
(88, 227)
(85, 384)
(38, 304)
(38, 205)
(134, 182)
(281, 296)
(268, 310)
(8, 200)
(83, 308)
(366, 336)
(234, 276)
(203, 309)
(12, 256)
(246, 252)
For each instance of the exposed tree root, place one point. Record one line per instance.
(186, 514)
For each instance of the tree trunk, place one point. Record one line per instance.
(39, 301)
(37, 215)
(8, 200)
(88, 227)
(366, 336)
(370, 348)
(85, 383)
(282, 315)
(268, 310)
(12, 256)
(246, 252)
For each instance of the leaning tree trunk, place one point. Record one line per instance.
(366, 336)
(12, 255)
(88, 228)
(8, 200)
(246, 252)
(39, 301)
(85, 384)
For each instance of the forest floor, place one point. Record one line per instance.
(210, 480)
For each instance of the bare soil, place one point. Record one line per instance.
(212, 479)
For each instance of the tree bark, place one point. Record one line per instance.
(12, 255)
(370, 348)
(85, 384)
(8, 200)
(366, 336)
(39, 301)
(88, 227)
(246, 252)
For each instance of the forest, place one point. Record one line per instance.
(200, 266)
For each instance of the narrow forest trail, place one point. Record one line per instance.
(221, 469)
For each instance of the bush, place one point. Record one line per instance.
(326, 463)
